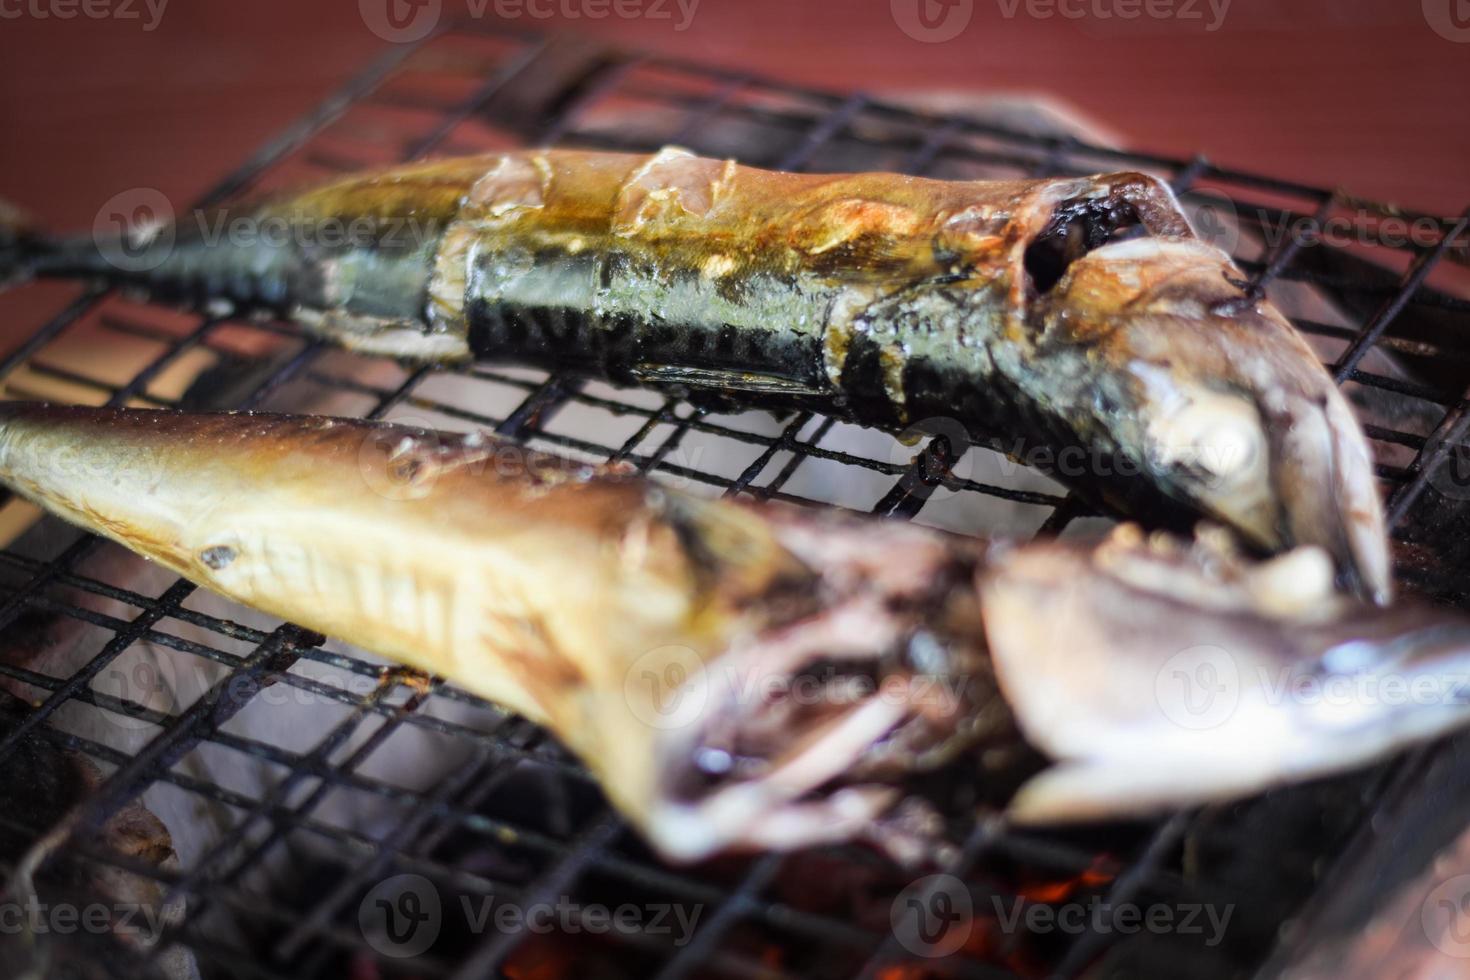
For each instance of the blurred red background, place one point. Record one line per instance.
(1366, 94)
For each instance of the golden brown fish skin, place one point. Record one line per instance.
(1010, 306)
(682, 209)
(205, 481)
(589, 600)
(649, 629)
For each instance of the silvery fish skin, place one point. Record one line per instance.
(747, 676)
(1158, 673)
(1134, 368)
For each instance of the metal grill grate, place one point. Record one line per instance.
(519, 821)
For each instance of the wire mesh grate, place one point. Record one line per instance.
(514, 820)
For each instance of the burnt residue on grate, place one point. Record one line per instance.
(407, 802)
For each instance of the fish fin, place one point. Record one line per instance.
(718, 379)
(1082, 790)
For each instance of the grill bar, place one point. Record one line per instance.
(1418, 272)
(561, 91)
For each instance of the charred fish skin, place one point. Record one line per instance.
(646, 628)
(1137, 370)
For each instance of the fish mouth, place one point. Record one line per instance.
(1157, 674)
(804, 732)
(797, 746)
(1213, 394)
(1323, 478)
(1289, 473)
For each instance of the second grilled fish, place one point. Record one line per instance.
(1075, 323)
(747, 676)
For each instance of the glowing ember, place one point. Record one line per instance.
(1100, 873)
(541, 958)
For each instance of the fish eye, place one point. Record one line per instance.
(1214, 437)
(1075, 228)
(218, 556)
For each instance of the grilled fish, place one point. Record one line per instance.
(1080, 318)
(738, 675)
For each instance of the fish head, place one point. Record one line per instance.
(805, 730)
(1209, 394)
(1160, 673)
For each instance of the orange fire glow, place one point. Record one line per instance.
(1100, 873)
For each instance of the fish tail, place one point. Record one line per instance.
(27, 252)
(163, 261)
(20, 245)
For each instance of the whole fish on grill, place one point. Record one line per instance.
(739, 675)
(1077, 324)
